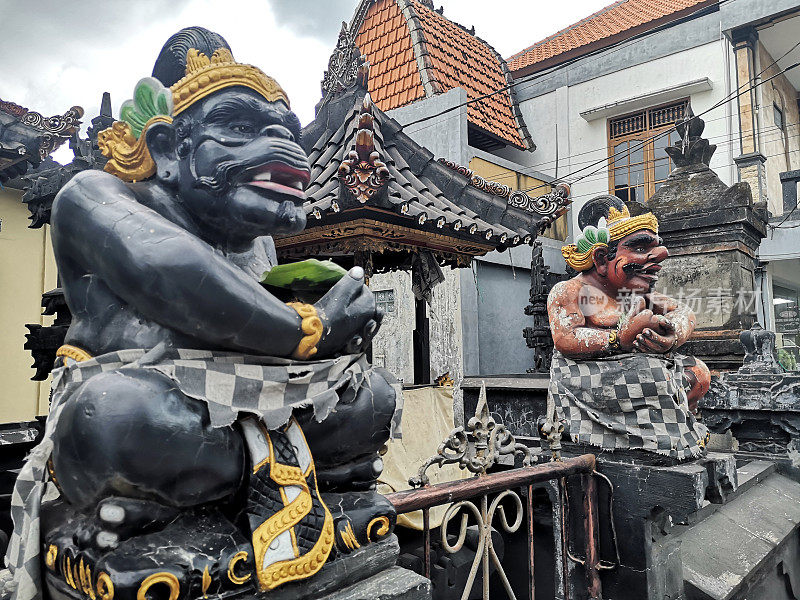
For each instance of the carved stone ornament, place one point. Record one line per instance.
(538, 336)
(550, 205)
(691, 148)
(346, 66)
(363, 172)
(56, 129)
(476, 448)
(759, 347)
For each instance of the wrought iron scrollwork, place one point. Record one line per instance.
(485, 554)
(476, 448)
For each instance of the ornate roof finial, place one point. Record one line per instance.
(363, 172)
(691, 149)
(346, 66)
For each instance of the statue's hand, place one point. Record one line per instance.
(659, 341)
(349, 316)
(634, 323)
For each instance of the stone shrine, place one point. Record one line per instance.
(713, 232)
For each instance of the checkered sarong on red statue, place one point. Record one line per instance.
(627, 401)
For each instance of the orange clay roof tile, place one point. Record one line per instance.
(612, 20)
(385, 41)
(453, 58)
(459, 59)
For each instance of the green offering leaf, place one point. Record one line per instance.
(311, 274)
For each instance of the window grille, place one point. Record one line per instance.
(778, 116)
(638, 165)
(384, 299)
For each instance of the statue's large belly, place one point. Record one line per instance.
(122, 329)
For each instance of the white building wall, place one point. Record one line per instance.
(559, 129)
(393, 347)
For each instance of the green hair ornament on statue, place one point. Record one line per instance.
(150, 99)
(592, 235)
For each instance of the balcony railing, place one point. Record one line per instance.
(498, 503)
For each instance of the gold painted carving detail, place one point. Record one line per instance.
(105, 587)
(236, 579)
(349, 537)
(383, 524)
(165, 578)
(50, 557)
(311, 326)
(301, 567)
(205, 76)
(128, 157)
(206, 580)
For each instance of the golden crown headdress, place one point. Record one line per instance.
(620, 223)
(205, 76)
(124, 142)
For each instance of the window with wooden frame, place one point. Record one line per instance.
(638, 166)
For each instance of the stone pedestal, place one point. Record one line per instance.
(713, 232)
(369, 573)
(701, 530)
(393, 584)
(759, 404)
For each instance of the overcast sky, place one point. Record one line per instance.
(59, 53)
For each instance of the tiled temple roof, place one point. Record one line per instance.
(364, 167)
(609, 25)
(415, 52)
(408, 192)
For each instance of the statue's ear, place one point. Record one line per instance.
(600, 258)
(160, 138)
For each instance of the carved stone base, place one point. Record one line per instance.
(396, 583)
(201, 554)
(366, 563)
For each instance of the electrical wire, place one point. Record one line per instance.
(720, 140)
(706, 9)
(667, 131)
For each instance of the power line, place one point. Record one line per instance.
(644, 166)
(727, 98)
(720, 141)
(667, 131)
(725, 138)
(537, 76)
(706, 9)
(769, 225)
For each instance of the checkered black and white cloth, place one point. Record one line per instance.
(229, 383)
(628, 401)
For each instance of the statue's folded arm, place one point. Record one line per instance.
(170, 275)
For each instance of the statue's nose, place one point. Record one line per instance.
(659, 253)
(278, 131)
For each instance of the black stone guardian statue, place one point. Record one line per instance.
(205, 438)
